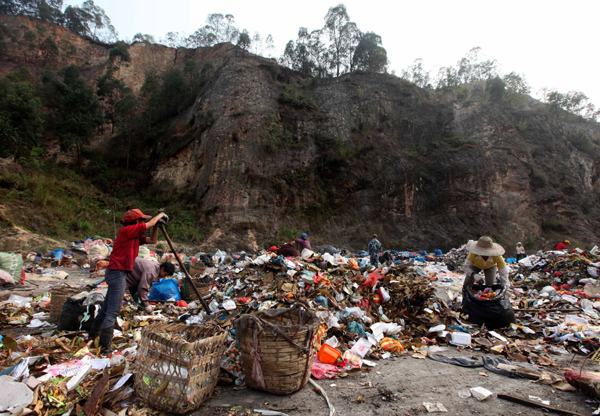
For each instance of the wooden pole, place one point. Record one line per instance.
(187, 274)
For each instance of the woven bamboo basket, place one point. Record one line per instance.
(188, 294)
(197, 268)
(178, 365)
(284, 346)
(59, 296)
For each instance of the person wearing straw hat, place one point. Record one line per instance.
(485, 255)
(520, 251)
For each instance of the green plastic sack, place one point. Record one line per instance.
(12, 263)
(144, 252)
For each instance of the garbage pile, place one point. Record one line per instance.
(411, 305)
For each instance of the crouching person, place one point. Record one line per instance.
(144, 273)
(485, 255)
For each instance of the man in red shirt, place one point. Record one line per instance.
(122, 258)
(563, 245)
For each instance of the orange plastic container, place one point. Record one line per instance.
(328, 355)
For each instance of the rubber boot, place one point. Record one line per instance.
(95, 329)
(106, 336)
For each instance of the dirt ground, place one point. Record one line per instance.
(399, 386)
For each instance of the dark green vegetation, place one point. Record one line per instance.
(62, 204)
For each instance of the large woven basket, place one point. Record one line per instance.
(177, 365)
(187, 292)
(58, 297)
(282, 342)
(197, 268)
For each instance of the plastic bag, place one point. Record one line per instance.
(69, 318)
(19, 301)
(393, 345)
(356, 328)
(321, 370)
(460, 361)
(494, 313)
(373, 278)
(12, 263)
(165, 289)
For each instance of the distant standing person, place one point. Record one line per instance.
(562, 246)
(122, 257)
(374, 249)
(485, 255)
(144, 273)
(520, 251)
(302, 242)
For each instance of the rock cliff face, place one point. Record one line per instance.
(263, 149)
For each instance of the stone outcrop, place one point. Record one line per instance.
(263, 148)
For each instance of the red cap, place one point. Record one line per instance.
(134, 214)
(274, 248)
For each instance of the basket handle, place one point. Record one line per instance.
(276, 329)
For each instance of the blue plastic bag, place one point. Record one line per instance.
(58, 253)
(356, 328)
(165, 289)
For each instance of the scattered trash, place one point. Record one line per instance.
(480, 393)
(434, 407)
(363, 314)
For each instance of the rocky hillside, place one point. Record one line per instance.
(263, 149)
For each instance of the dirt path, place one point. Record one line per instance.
(400, 387)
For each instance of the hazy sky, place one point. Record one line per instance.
(553, 43)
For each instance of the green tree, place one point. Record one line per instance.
(150, 99)
(173, 40)
(369, 56)
(139, 37)
(516, 83)
(417, 75)
(7, 37)
(219, 28)
(21, 119)
(127, 115)
(50, 11)
(447, 78)
(78, 112)
(109, 91)
(269, 46)
(336, 26)
(297, 56)
(49, 50)
(495, 88)
(174, 92)
(19, 7)
(244, 40)
(77, 20)
(472, 69)
(318, 52)
(120, 51)
(100, 27)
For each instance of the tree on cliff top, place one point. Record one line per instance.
(348, 48)
(219, 28)
(369, 56)
(49, 11)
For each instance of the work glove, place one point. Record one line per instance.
(148, 309)
(165, 218)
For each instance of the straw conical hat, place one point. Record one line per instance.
(485, 247)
